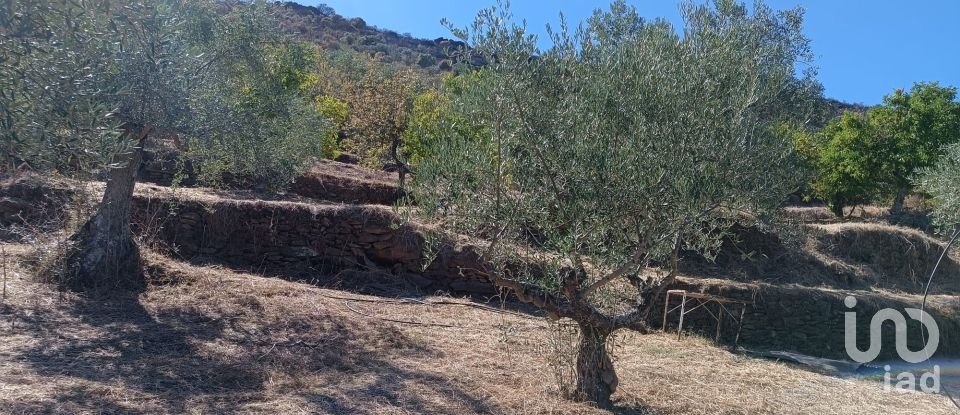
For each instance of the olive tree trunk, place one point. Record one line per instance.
(103, 254)
(402, 167)
(596, 379)
(896, 210)
(837, 208)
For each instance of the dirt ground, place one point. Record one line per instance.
(209, 340)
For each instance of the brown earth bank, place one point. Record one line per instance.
(810, 320)
(326, 180)
(348, 183)
(204, 339)
(859, 256)
(795, 291)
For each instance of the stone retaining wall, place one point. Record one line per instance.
(806, 320)
(30, 202)
(304, 240)
(346, 189)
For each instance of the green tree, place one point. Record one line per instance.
(614, 149)
(379, 99)
(860, 158)
(76, 117)
(426, 61)
(125, 63)
(914, 128)
(258, 121)
(846, 156)
(86, 84)
(337, 112)
(436, 116)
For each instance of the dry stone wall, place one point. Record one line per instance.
(29, 202)
(301, 239)
(806, 320)
(345, 189)
(306, 240)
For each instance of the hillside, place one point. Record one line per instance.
(206, 339)
(229, 206)
(322, 25)
(390, 339)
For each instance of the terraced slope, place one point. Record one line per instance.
(795, 291)
(211, 340)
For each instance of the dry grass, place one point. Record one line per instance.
(213, 341)
(822, 214)
(889, 257)
(857, 255)
(915, 215)
(327, 168)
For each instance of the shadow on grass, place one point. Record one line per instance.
(632, 410)
(115, 355)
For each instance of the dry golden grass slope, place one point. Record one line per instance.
(215, 341)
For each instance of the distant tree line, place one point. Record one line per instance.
(880, 154)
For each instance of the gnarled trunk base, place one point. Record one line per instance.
(103, 254)
(103, 260)
(596, 378)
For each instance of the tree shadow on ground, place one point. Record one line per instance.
(116, 355)
(632, 410)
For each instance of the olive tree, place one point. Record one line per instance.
(82, 73)
(29, 30)
(87, 84)
(942, 182)
(613, 149)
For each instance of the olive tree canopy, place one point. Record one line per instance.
(942, 181)
(623, 142)
(84, 85)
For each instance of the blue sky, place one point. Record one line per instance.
(864, 49)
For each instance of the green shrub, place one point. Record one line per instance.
(435, 117)
(335, 111)
(426, 61)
